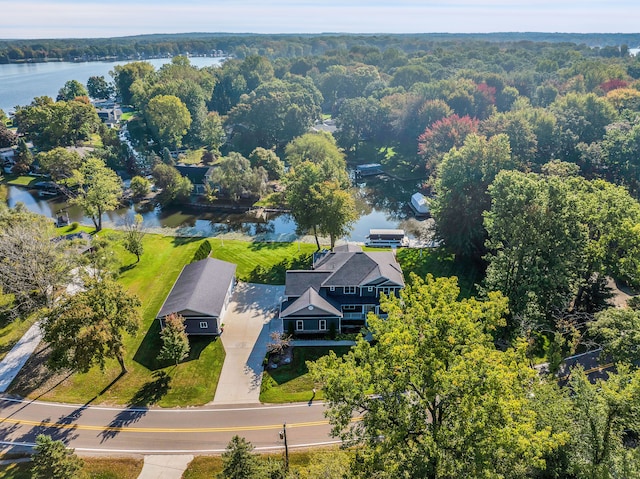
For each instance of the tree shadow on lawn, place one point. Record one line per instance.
(298, 365)
(147, 353)
(184, 240)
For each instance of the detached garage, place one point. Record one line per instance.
(201, 295)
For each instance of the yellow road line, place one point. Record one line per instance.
(81, 427)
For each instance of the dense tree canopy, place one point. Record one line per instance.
(437, 399)
(169, 119)
(99, 189)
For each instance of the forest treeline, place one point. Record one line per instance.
(281, 45)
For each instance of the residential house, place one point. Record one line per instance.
(341, 289)
(201, 295)
(200, 176)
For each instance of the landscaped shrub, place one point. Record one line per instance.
(202, 252)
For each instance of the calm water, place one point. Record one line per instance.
(22, 82)
(382, 203)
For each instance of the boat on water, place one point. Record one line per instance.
(420, 204)
(369, 169)
(387, 238)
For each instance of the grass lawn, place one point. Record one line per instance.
(192, 157)
(249, 256)
(148, 381)
(206, 467)
(23, 180)
(11, 332)
(439, 263)
(127, 116)
(192, 382)
(291, 382)
(94, 468)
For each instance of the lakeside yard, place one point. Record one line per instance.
(194, 381)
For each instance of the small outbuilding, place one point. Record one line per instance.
(201, 295)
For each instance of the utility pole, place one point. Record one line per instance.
(283, 435)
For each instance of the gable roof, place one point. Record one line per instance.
(297, 281)
(360, 268)
(201, 288)
(310, 303)
(196, 174)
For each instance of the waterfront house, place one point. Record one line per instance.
(201, 295)
(198, 175)
(340, 290)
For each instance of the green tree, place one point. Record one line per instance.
(175, 343)
(337, 211)
(174, 186)
(125, 75)
(238, 460)
(360, 120)
(320, 149)
(437, 399)
(71, 90)
(461, 186)
(7, 137)
(99, 190)
(133, 236)
(169, 119)
(140, 186)
(269, 161)
(98, 88)
(88, 328)
(23, 158)
(603, 412)
(535, 243)
(52, 460)
(236, 178)
(617, 332)
(212, 133)
(59, 163)
(302, 183)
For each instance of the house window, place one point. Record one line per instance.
(370, 288)
(349, 290)
(349, 307)
(332, 288)
(323, 325)
(387, 290)
(299, 325)
(204, 325)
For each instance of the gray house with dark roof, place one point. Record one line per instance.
(343, 287)
(201, 295)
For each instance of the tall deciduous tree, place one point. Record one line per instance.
(617, 332)
(99, 189)
(437, 399)
(32, 266)
(88, 328)
(175, 343)
(175, 187)
(169, 119)
(71, 90)
(7, 137)
(237, 178)
(98, 88)
(59, 163)
(133, 236)
(461, 186)
(52, 460)
(337, 210)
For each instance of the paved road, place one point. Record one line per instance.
(95, 430)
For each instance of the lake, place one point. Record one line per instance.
(381, 203)
(22, 82)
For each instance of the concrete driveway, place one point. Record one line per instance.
(248, 323)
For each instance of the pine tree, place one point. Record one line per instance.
(53, 460)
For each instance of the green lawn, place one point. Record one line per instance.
(259, 262)
(192, 157)
(439, 263)
(206, 467)
(11, 332)
(94, 468)
(291, 382)
(127, 116)
(23, 180)
(149, 381)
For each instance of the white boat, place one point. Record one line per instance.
(420, 204)
(386, 238)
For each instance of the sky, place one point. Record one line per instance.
(111, 18)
